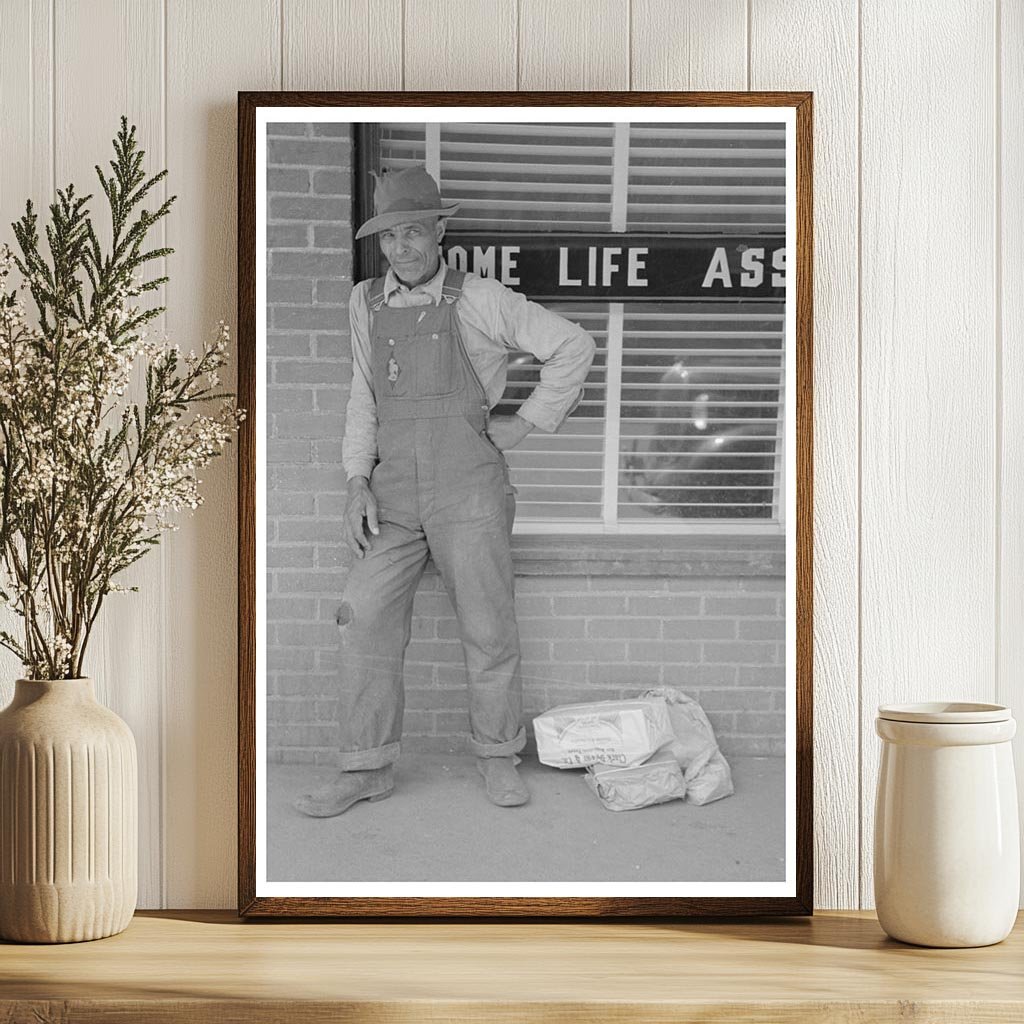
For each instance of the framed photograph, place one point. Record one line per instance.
(525, 504)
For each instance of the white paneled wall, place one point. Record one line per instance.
(1009, 344)
(919, 324)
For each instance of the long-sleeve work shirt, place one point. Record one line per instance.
(493, 321)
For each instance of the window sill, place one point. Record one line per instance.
(656, 555)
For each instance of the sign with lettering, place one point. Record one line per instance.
(626, 266)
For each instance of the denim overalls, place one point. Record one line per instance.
(442, 490)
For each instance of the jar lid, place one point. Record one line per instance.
(945, 712)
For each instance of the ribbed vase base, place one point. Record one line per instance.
(68, 815)
(63, 913)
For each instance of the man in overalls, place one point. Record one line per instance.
(426, 477)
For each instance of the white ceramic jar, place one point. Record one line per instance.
(947, 846)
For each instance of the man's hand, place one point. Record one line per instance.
(361, 506)
(507, 431)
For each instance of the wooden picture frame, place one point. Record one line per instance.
(794, 895)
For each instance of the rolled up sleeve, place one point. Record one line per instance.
(359, 447)
(564, 349)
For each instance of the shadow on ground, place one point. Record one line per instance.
(439, 827)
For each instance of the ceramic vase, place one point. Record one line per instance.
(947, 846)
(68, 814)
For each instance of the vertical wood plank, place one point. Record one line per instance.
(26, 102)
(573, 44)
(699, 44)
(17, 58)
(342, 44)
(928, 515)
(1010, 227)
(26, 105)
(781, 58)
(213, 51)
(460, 44)
(122, 656)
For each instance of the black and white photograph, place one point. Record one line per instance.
(525, 512)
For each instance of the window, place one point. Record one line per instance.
(681, 422)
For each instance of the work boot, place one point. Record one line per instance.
(502, 782)
(338, 795)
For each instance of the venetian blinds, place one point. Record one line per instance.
(513, 176)
(707, 177)
(681, 421)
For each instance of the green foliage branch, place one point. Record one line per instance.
(89, 478)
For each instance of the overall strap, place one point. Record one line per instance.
(452, 287)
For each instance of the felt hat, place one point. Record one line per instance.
(400, 196)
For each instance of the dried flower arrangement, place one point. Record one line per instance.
(88, 478)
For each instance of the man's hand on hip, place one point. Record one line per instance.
(360, 509)
(507, 431)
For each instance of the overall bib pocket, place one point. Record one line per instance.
(421, 366)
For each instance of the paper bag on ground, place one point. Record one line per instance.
(625, 789)
(615, 732)
(708, 776)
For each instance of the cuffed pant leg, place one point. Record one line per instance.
(375, 623)
(475, 560)
(512, 746)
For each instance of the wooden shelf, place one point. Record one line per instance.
(209, 967)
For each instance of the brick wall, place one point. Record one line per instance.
(603, 638)
(309, 268)
(584, 637)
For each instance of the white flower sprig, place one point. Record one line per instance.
(88, 478)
